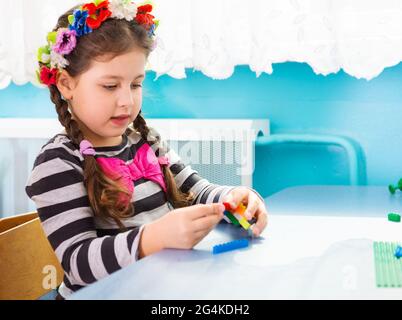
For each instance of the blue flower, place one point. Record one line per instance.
(151, 31)
(79, 25)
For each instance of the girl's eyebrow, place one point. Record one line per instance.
(111, 76)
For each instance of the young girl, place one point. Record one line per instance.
(107, 189)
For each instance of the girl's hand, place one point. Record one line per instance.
(255, 207)
(180, 228)
(185, 227)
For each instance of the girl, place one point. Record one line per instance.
(107, 189)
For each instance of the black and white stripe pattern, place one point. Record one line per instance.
(90, 248)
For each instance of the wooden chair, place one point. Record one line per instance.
(28, 264)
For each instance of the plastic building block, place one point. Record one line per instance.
(394, 217)
(243, 222)
(229, 246)
(232, 218)
(387, 268)
(393, 188)
(237, 216)
(241, 209)
(227, 206)
(226, 218)
(398, 252)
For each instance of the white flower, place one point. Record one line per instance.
(57, 60)
(45, 58)
(123, 9)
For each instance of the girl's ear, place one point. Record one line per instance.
(65, 83)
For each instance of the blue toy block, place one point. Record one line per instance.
(398, 252)
(233, 245)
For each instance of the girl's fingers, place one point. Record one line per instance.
(241, 194)
(253, 204)
(262, 220)
(203, 210)
(206, 223)
(236, 196)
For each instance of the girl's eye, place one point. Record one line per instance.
(134, 86)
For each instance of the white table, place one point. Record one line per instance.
(318, 246)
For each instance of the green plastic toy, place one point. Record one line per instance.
(393, 188)
(394, 217)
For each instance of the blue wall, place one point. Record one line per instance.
(295, 100)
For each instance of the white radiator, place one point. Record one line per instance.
(222, 151)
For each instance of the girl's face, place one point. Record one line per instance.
(109, 89)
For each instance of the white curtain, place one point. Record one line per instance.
(362, 37)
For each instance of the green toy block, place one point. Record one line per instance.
(392, 189)
(400, 184)
(232, 218)
(394, 217)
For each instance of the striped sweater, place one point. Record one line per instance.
(90, 248)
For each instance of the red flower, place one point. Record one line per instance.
(97, 14)
(143, 17)
(145, 8)
(48, 76)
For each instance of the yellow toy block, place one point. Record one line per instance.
(243, 222)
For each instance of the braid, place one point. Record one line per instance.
(175, 196)
(102, 191)
(65, 118)
(141, 126)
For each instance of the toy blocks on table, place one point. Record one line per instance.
(237, 216)
(229, 246)
(387, 265)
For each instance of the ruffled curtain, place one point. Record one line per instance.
(362, 37)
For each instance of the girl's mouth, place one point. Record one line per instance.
(120, 121)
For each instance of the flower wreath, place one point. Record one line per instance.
(84, 20)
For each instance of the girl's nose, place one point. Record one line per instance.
(126, 97)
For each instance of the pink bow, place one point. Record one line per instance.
(145, 165)
(86, 148)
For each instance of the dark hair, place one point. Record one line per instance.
(113, 37)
